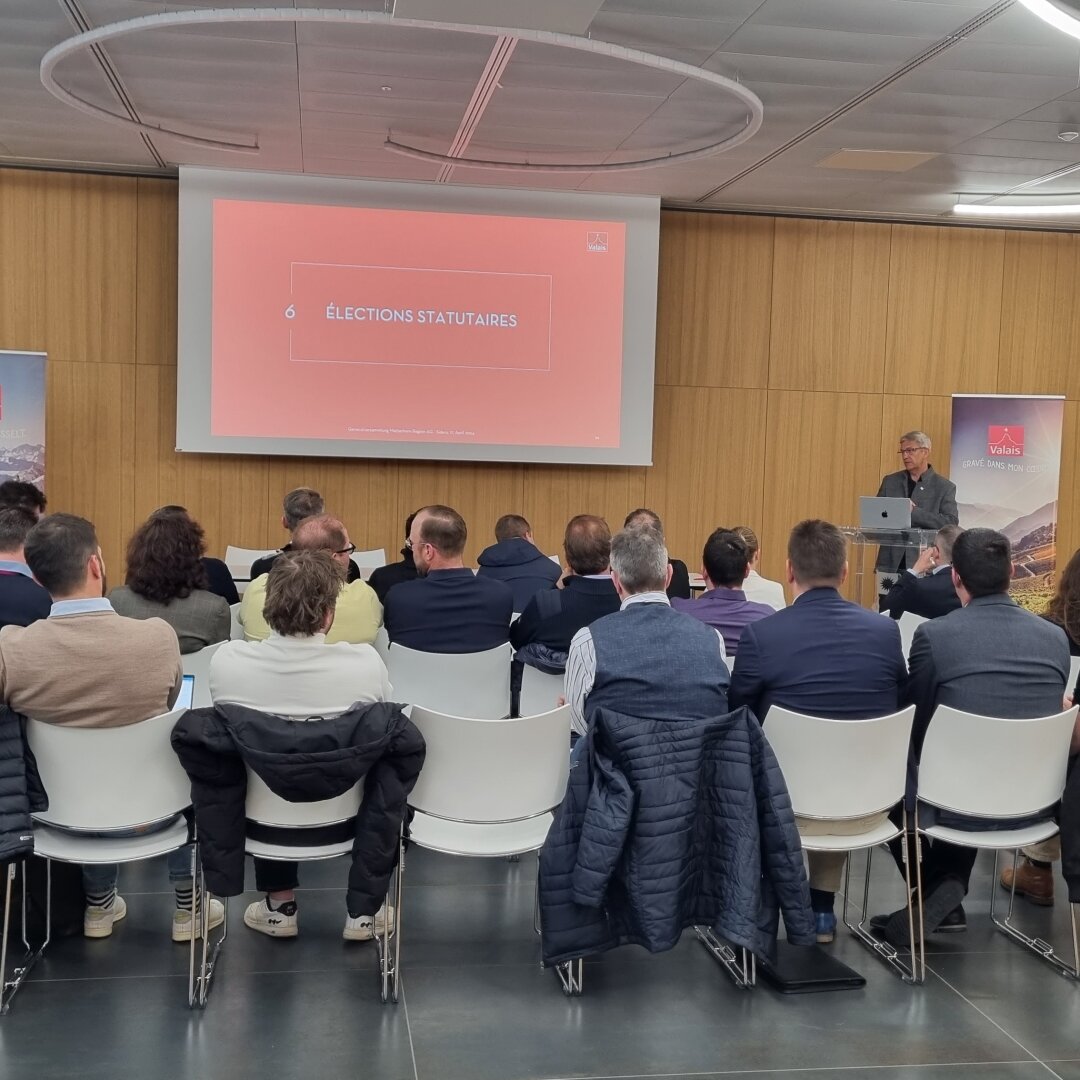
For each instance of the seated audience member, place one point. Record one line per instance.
(725, 562)
(85, 666)
(384, 578)
(23, 494)
(823, 656)
(358, 613)
(298, 504)
(297, 674)
(680, 576)
(926, 588)
(1064, 607)
(992, 658)
(22, 599)
(515, 560)
(760, 590)
(645, 659)
(167, 580)
(219, 580)
(448, 608)
(549, 621)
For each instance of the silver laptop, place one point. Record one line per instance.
(876, 513)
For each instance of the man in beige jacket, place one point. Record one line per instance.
(86, 666)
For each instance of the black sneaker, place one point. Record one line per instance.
(954, 923)
(944, 898)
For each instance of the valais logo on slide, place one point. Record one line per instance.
(1005, 441)
(596, 241)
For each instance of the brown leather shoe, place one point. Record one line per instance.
(1034, 883)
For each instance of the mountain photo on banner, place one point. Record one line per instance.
(22, 417)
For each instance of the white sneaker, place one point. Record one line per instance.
(181, 921)
(365, 927)
(98, 922)
(274, 922)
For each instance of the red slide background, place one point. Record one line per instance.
(294, 356)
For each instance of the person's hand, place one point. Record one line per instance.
(566, 572)
(926, 562)
(560, 702)
(913, 506)
(1066, 702)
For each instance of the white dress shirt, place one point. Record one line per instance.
(763, 591)
(581, 661)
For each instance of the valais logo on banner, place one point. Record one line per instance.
(1005, 441)
(596, 241)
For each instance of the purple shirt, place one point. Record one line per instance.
(727, 610)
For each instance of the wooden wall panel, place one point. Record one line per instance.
(555, 493)
(821, 453)
(709, 454)
(1040, 315)
(22, 260)
(720, 264)
(859, 331)
(90, 260)
(944, 310)
(829, 304)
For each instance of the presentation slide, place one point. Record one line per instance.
(341, 322)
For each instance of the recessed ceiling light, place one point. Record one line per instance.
(1061, 17)
(386, 89)
(1068, 136)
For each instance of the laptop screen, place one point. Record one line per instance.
(187, 693)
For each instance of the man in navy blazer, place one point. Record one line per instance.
(447, 609)
(926, 589)
(822, 656)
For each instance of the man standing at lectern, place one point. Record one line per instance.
(932, 498)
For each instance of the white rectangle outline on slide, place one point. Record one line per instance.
(421, 270)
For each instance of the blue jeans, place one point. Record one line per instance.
(101, 878)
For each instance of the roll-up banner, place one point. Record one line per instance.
(22, 417)
(1006, 464)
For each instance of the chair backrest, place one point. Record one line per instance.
(381, 644)
(991, 767)
(841, 768)
(908, 624)
(1074, 673)
(236, 631)
(461, 684)
(101, 779)
(540, 692)
(198, 663)
(492, 770)
(264, 806)
(239, 560)
(369, 560)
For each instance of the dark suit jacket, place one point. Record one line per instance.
(823, 656)
(931, 596)
(680, 581)
(449, 611)
(22, 600)
(991, 658)
(219, 581)
(555, 616)
(386, 577)
(935, 507)
(263, 565)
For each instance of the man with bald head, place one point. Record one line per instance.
(448, 608)
(358, 614)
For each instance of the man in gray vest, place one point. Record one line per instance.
(645, 659)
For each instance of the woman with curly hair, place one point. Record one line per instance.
(1064, 606)
(166, 579)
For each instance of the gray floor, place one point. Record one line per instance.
(476, 1004)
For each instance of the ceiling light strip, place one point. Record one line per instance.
(240, 144)
(929, 54)
(1026, 210)
(1058, 19)
(500, 55)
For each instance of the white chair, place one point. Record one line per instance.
(236, 631)
(462, 684)
(198, 664)
(1074, 673)
(540, 692)
(908, 624)
(847, 769)
(366, 561)
(488, 789)
(1011, 769)
(106, 780)
(381, 644)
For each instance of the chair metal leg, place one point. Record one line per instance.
(741, 965)
(571, 975)
(390, 962)
(10, 987)
(199, 989)
(883, 949)
(1038, 946)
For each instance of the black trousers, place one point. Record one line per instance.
(272, 875)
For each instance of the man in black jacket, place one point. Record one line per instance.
(22, 599)
(926, 589)
(386, 577)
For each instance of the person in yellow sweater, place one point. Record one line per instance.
(358, 615)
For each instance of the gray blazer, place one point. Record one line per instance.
(993, 658)
(199, 620)
(935, 507)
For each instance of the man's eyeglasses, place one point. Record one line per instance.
(346, 551)
(913, 450)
